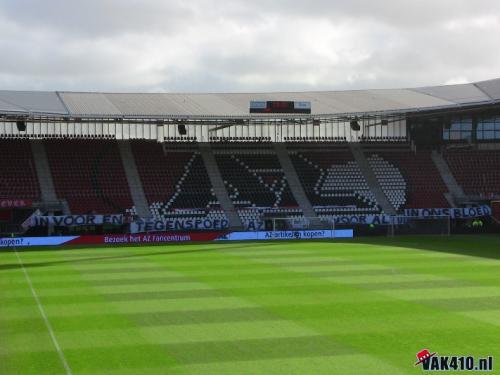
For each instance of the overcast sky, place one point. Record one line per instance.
(242, 45)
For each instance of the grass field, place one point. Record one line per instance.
(354, 307)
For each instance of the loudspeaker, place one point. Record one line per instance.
(355, 125)
(181, 128)
(446, 124)
(21, 125)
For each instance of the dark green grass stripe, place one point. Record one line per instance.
(69, 323)
(49, 271)
(203, 316)
(250, 271)
(91, 360)
(170, 294)
(157, 267)
(49, 300)
(257, 349)
(256, 271)
(464, 304)
(367, 272)
(223, 292)
(152, 268)
(39, 363)
(141, 281)
(415, 284)
(139, 356)
(270, 276)
(319, 292)
(123, 321)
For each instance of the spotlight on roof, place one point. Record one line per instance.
(447, 123)
(181, 128)
(355, 125)
(21, 125)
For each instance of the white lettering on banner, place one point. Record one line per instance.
(363, 219)
(180, 224)
(76, 220)
(147, 238)
(253, 225)
(11, 242)
(287, 235)
(454, 213)
(271, 235)
(35, 241)
(15, 203)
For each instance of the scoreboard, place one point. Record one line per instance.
(276, 106)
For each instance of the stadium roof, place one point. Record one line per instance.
(236, 105)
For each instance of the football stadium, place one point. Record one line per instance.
(349, 232)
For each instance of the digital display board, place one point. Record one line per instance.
(279, 106)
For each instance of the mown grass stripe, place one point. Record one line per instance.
(257, 349)
(114, 310)
(53, 337)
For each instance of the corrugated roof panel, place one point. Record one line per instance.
(462, 94)
(88, 104)
(402, 99)
(34, 101)
(190, 104)
(328, 102)
(143, 104)
(492, 88)
(216, 104)
(362, 101)
(7, 107)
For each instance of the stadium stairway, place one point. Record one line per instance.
(370, 178)
(45, 180)
(456, 191)
(133, 179)
(293, 181)
(220, 191)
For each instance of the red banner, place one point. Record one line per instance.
(15, 203)
(496, 209)
(144, 238)
(6, 215)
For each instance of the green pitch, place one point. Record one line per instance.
(354, 307)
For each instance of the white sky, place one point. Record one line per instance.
(241, 45)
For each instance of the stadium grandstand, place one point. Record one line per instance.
(241, 161)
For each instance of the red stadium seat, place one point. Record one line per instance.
(89, 175)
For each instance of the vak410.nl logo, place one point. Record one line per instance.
(431, 361)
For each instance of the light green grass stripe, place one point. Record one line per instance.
(359, 305)
(187, 333)
(48, 325)
(438, 293)
(346, 364)
(391, 276)
(159, 287)
(97, 359)
(155, 305)
(488, 316)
